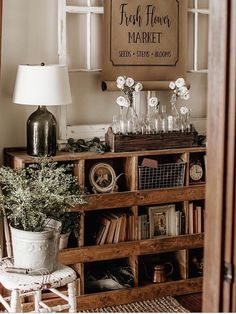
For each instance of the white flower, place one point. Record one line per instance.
(180, 82)
(183, 110)
(183, 90)
(186, 96)
(121, 101)
(138, 87)
(172, 85)
(120, 82)
(152, 102)
(129, 82)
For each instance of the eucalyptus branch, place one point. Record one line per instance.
(94, 145)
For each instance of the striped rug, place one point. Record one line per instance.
(160, 305)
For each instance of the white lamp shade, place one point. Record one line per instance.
(42, 85)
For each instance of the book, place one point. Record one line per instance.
(177, 223)
(122, 235)
(106, 222)
(112, 227)
(144, 227)
(130, 227)
(100, 234)
(118, 228)
(172, 221)
(182, 223)
(199, 219)
(190, 218)
(195, 220)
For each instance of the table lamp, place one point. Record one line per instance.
(42, 85)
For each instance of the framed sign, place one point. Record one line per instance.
(145, 40)
(102, 178)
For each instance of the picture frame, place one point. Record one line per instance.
(161, 220)
(102, 178)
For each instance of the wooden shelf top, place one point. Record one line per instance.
(63, 156)
(131, 248)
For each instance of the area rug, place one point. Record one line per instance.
(160, 305)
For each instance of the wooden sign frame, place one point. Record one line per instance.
(147, 41)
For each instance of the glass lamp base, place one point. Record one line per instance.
(41, 133)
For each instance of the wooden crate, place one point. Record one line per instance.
(141, 142)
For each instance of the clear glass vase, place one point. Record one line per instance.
(157, 121)
(122, 122)
(173, 118)
(133, 125)
(185, 125)
(115, 125)
(164, 119)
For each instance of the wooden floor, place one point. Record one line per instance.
(192, 302)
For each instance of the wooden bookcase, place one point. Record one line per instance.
(131, 251)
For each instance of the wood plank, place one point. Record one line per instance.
(218, 83)
(141, 197)
(131, 248)
(229, 206)
(67, 156)
(78, 171)
(169, 244)
(131, 173)
(124, 296)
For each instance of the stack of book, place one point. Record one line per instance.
(114, 227)
(195, 219)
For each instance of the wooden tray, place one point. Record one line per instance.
(135, 142)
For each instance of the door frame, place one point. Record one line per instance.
(218, 293)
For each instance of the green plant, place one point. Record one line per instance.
(94, 145)
(40, 191)
(70, 223)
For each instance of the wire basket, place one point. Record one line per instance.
(164, 176)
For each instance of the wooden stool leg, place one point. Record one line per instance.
(37, 299)
(15, 302)
(72, 297)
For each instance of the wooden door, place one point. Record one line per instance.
(219, 291)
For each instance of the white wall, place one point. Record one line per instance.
(30, 36)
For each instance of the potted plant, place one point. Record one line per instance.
(32, 198)
(70, 223)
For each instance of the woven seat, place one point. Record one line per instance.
(26, 283)
(34, 283)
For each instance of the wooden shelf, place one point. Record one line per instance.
(132, 248)
(142, 197)
(21, 157)
(123, 296)
(133, 201)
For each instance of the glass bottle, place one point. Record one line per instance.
(185, 125)
(115, 125)
(133, 125)
(164, 119)
(188, 124)
(157, 121)
(173, 117)
(122, 122)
